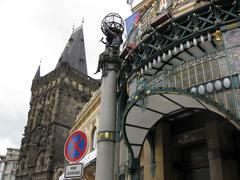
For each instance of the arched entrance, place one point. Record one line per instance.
(188, 137)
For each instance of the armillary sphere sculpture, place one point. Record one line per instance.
(112, 27)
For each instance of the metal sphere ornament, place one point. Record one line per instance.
(209, 87)
(226, 83)
(218, 85)
(114, 22)
(201, 90)
(193, 90)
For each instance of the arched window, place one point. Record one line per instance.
(94, 139)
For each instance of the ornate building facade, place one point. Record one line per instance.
(10, 164)
(56, 100)
(178, 97)
(179, 92)
(2, 159)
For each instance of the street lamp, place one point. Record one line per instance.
(112, 27)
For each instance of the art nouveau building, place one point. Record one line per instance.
(179, 92)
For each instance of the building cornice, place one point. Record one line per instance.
(141, 5)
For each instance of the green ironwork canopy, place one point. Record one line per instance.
(176, 41)
(163, 104)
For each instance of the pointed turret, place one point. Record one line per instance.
(37, 75)
(74, 52)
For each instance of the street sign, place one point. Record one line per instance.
(73, 170)
(75, 146)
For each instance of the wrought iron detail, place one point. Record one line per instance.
(179, 30)
(141, 93)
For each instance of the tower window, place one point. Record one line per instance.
(94, 138)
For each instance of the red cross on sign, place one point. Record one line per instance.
(75, 146)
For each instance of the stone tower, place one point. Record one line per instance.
(56, 100)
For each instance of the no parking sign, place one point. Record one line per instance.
(75, 146)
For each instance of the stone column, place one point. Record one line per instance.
(229, 160)
(163, 152)
(214, 153)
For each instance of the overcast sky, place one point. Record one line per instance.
(34, 30)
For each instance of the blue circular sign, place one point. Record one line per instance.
(75, 146)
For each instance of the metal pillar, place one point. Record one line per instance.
(112, 27)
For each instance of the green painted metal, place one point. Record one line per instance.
(176, 31)
(159, 90)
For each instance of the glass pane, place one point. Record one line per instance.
(224, 66)
(215, 69)
(238, 97)
(178, 80)
(211, 96)
(230, 101)
(161, 83)
(172, 81)
(220, 98)
(167, 82)
(94, 139)
(231, 62)
(192, 76)
(207, 71)
(234, 56)
(185, 79)
(199, 73)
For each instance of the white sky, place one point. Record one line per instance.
(34, 30)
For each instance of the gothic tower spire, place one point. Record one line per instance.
(74, 52)
(49, 121)
(37, 75)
